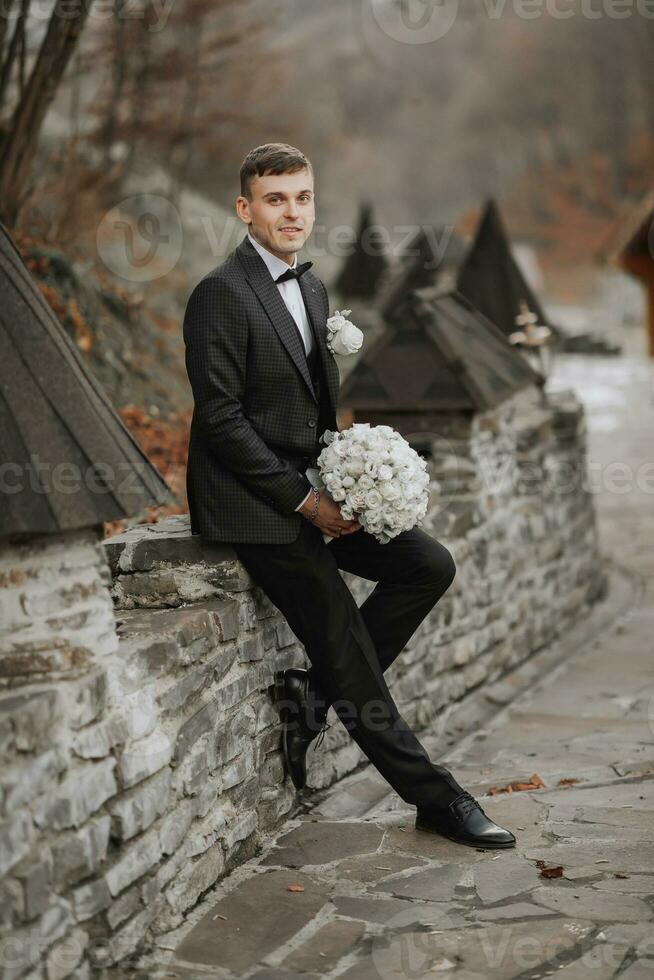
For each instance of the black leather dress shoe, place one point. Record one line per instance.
(300, 724)
(465, 822)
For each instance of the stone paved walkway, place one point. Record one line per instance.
(350, 889)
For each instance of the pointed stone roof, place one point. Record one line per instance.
(444, 356)
(431, 258)
(69, 462)
(364, 267)
(492, 280)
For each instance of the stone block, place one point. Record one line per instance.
(195, 878)
(250, 648)
(124, 942)
(35, 876)
(134, 861)
(78, 854)
(12, 903)
(30, 717)
(141, 759)
(225, 615)
(201, 723)
(16, 837)
(212, 828)
(124, 907)
(78, 796)
(284, 634)
(238, 770)
(97, 741)
(89, 700)
(29, 777)
(175, 826)
(245, 825)
(194, 771)
(91, 898)
(66, 955)
(134, 811)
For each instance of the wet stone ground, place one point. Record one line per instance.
(350, 889)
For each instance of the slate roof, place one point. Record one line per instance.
(70, 461)
(433, 254)
(443, 356)
(491, 279)
(365, 266)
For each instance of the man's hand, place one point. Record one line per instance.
(328, 519)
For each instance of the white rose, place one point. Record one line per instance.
(389, 491)
(354, 467)
(373, 499)
(357, 498)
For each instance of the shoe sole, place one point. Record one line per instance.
(280, 698)
(457, 840)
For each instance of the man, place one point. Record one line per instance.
(265, 387)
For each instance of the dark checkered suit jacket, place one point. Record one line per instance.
(256, 419)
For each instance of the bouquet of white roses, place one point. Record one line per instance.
(376, 477)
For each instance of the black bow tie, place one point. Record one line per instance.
(294, 273)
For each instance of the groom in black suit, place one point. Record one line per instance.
(265, 387)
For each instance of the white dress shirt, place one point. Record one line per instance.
(292, 295)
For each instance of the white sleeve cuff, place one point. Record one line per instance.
(303, 502)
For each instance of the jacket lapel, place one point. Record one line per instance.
(275, 308)
(316, 316)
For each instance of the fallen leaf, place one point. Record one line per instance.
(295, 888)
(535, 782)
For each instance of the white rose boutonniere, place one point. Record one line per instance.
(342, 336)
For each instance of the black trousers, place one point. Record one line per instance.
(350, 647)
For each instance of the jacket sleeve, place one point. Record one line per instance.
(216, 340)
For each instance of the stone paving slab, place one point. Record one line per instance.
(259, 916)
(322, 842)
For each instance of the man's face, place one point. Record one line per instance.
(280, 213)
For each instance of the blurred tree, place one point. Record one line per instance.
(23, 104)
(162, 92)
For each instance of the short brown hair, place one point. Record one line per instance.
(271, 158)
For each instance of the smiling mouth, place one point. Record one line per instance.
(290, 229)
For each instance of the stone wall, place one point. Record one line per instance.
(135, 778)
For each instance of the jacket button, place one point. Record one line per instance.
(311, 423)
